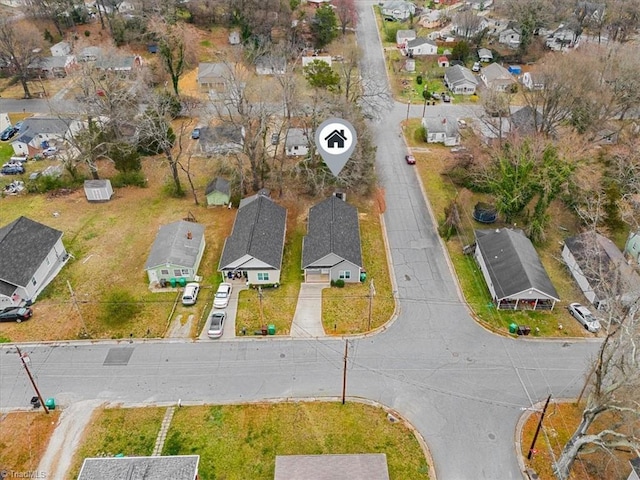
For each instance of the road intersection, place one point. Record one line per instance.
(462, 387)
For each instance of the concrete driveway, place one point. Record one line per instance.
(307, 320)
(229, 332)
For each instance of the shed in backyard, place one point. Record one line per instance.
(98, 190)
(218, 192)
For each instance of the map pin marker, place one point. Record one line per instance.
(335, 140)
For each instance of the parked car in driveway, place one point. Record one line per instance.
(190, 293)
(15, 314)
(585, 317)
(216, 323)
(7, 133)
(221, 299)
(195, 134)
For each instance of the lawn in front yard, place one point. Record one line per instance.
(432, 162)
(241, 441)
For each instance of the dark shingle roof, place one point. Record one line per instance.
(258, 231)
(457, 74)
(24, 244)
(179, 467)
(635, 464)
(362, 466)
(333, 228)
(32, 127)
(218, 184)
(513, 263)
(173, 246)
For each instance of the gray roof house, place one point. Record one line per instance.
(441, 130)
(177, 467)
(176, 252)
(635, 468)
(403, 36)
(271, 65)
(421, 46)
(297, 142)
(397, 10)
(60, 49)
(331, 249)
(218, 192)
(497, 78)
(513, 271)
(361, 466)
(525, 121)
(485, 55)
(600, 269)
(36, 130)
(123, 64)
(212, 76)
(460, 80)
(256, 243)
(89, 54)
(510, 37)
(31, 255)
(52, 67)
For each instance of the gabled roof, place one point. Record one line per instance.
(445, 125)
(513, 263)
(495, 71)
(406, 34)
(602, 262)
(296, 136)
(484, 52)
(359, 466)
(24, 244)
(333, 227)
(420, 41)
(458, 74)
(208, 70)
(176, 467)
(218, 184)
(173, 245)
(32, 127)
(525, 120)
(258, 231)
(49, 63)
(117, 63)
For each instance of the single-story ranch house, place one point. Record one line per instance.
(512, 270)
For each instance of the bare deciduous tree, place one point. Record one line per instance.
(467, 23)
(347, 14)
(19, 49)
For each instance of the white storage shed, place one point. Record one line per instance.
(98, 190)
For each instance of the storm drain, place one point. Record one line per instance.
(118, 356)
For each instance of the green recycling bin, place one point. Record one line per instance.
(182, 281)
(271, 329)
(172, 282)
(50, 403)
(363, 276)
(513, 328)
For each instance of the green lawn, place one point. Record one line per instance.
(238, 442)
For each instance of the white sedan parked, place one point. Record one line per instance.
(585, 317)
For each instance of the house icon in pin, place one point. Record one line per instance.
(335, 139)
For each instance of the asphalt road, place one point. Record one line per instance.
(461, 387)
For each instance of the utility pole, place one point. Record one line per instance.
(24, 358)
(260, 300)
(408, 107)
(372, 292)
(535, 437)
(77, 307)
(424, 108)
(344, 369)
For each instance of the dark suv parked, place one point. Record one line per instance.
(7, 133)
(15, 314)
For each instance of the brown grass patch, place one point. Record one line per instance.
(24, 439)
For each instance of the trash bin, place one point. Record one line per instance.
(50, 403)
(264, 330)
(271, 329)
(35, 402)
(526, 330)
(172, 282)
(363, 276)
(513, 328)
(182, 281)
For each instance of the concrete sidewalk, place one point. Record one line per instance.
(307, 321)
